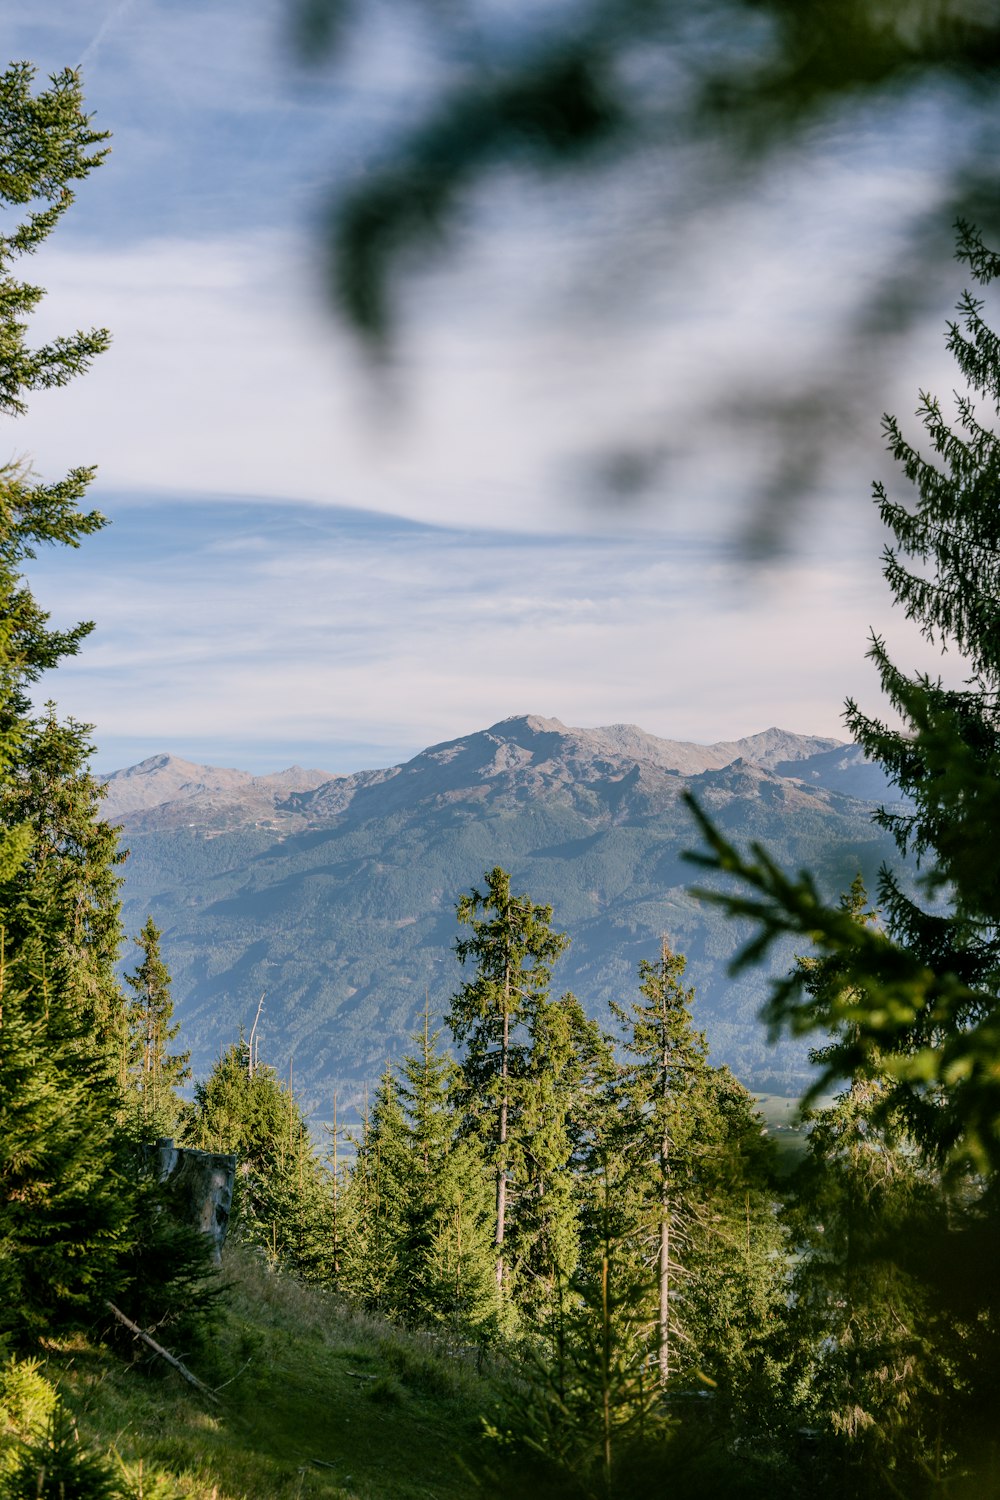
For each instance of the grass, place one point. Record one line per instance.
(315, 1400)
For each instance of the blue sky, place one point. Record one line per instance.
(304, 567)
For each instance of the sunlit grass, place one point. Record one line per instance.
(315, 1400)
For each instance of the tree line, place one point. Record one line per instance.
(597, 1201)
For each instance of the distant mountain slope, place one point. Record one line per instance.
(195, 792)
(335, 896)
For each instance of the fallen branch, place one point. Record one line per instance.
(151, 1343)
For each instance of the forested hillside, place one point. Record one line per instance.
(336, 902)
(578, 1205)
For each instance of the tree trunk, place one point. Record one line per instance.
(502, 1140)
(664, 1313)
(664, 1308)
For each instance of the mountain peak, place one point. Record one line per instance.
(527, 750)
(532, 723)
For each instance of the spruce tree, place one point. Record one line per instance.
(282, 1202)
(513, 948)
(925, 992)
(876, 1350)
(448, 1220)
(61, 905)
(152, 1073)
(665, 1089)
(376, 1266)
(872, 1352)
(63, 1210)
(565, 1058)
(693, 1189)
(944, 571)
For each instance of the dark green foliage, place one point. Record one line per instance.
(592, 1394)
(896, 1210)
(694, 1194)
(567, 1057)
(374, 1264)
(151, 1073)
(677, 1282)
(61, 907)
(166, 1278)
(922, 996)
(283, 1198)
(48, 144)
(418, 1206)
(57, 1467)
(64, 1210)
(63, 1204)
(493, 1017)
(527, 1060)
(873, 1353)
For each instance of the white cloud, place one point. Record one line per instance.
(552, 337)
(351, 643)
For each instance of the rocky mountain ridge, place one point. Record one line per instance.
(528, 753)
(334, 896)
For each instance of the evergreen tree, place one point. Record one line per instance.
(449, 1245)
(282, 1201)
(151, 1072)
(566, 1057)
(876, 1349)
(925, 993)
(694, 1190)
(418, 1237)
(498, 1016)
(60, 906)
(375, 1265)
(666, 1090)
(513, 948)
(591, 1395)
(64, 1213)
(871, 1353)
(63, 1210)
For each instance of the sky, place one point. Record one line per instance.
(307, 564)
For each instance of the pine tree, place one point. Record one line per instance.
(151, 1072)
(875, 1353)
(61, 906)
(63, 1211)
(866, 1324)
(566, 1056)
(946, 756)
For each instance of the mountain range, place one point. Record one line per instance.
(334, 896)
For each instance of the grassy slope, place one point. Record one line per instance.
(315, 1401)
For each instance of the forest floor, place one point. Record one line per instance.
(314, 1400)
